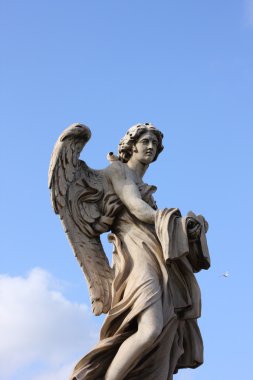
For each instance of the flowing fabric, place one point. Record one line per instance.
(151, 263)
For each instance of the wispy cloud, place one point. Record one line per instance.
(56, 374)
(42, 333)
(248, 5)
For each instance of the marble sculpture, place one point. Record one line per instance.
(150, 294)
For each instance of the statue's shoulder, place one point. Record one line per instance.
(116, 168)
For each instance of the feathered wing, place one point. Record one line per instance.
(77, 194)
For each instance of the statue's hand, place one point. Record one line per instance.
(193, 229)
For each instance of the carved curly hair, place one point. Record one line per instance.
(126, 144)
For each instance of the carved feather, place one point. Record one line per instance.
(77, 195)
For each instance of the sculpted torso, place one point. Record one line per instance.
(126, 178)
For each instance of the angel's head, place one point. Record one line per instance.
(128, 143)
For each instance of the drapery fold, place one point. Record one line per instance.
(152, 262)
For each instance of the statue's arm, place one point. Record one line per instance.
(128, 192)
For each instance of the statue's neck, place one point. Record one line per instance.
(138, 167)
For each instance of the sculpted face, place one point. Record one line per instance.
(144, 150)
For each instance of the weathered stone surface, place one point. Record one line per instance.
(151, 295)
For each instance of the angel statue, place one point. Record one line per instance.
(150, 294)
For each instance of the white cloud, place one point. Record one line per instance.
(42, 333)
(249, 12)
(56, 374)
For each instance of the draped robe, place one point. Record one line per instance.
(152, 262)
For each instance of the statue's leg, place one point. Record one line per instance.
(150, 325)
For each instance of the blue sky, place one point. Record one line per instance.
(187, 67)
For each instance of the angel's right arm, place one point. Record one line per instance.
(128, 192)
